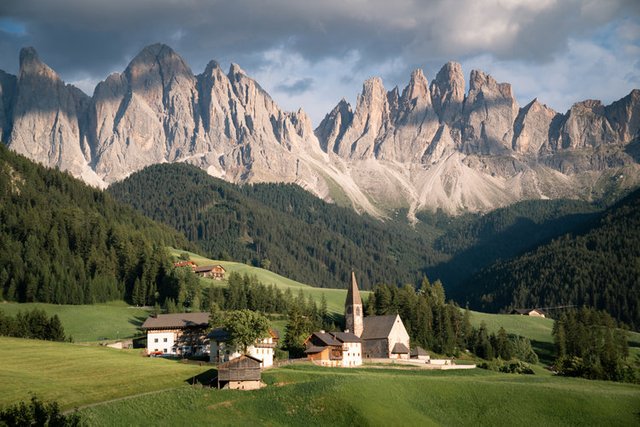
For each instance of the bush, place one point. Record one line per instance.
(508, 366)
(37, 413)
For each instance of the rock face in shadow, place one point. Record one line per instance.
(430, 146)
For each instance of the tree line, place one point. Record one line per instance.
(34, 324)
(590, 344)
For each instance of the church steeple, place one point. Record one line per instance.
(353, 308)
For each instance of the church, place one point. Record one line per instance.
(383, 337)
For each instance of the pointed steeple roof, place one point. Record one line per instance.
(353, 294)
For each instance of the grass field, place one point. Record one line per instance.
(90, 322)
(75, 374)
(335, 297)
(307, 395)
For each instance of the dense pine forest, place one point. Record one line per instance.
(288, 230)
(597, 266)
(280, 227)
(66, 243)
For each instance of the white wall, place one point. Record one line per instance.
(351, 354)
(161, 341)
(227, 352)
(398, 334)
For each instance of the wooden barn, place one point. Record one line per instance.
(241, 373)
(534, 312)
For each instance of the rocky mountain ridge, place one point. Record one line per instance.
(431, 146)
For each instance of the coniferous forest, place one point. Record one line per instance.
(64, 242)
(598, 266)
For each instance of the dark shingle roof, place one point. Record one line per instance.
(176, 320)
(314, 349)
(418, 351)
(377, 327)
(346, 337)
(327, 338)
(400, 348)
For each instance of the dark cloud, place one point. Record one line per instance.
(88, 39)
(295, 87)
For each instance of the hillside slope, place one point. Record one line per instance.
(64, 242)
(280, 226)
(598, 266)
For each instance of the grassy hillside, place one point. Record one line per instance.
(76, 374)
(335, 297)
(307, 395)
(90, 322)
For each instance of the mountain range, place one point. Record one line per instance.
(432, 146)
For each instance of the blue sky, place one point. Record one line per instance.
(310, 54)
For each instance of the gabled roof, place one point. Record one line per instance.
(326, 338)
(377, 327)
(418, 351)
(244, 361)
(313, 349)
(400, 348)
(203, 269)
(177, 320)
(353, 294)
(346, 337)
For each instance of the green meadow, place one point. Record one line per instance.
(90, 322)
(308, 395)
(115, 387)
(75, 374)
(335, 297)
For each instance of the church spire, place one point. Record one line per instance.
(353, 308)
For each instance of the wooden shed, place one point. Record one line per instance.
(242, 373)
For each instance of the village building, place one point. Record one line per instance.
(335, 349)
(420, 353)
(215, 272)
(178, 334)
(534, 312)
(221, 349)
(241, 373)
(189, 264)
(383, 337)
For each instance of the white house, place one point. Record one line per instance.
(223, 351)
(178, 334)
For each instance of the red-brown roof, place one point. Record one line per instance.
(177, 320)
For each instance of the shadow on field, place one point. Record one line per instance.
(207, 378)
(544, 350)
(138, 321)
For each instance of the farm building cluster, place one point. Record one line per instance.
(372, 338)
(215, 272)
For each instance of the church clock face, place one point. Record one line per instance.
(357, 311)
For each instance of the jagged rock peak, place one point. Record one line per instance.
(447, 91)
(30, 63)
(418, 86)
(212, 66)
(169, 62)
(479, 80)
(235, 70)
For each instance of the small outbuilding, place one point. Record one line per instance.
(215, 272)
(534, 312)
(241, 373)
(420, 353)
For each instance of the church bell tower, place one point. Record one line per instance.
(353, 308)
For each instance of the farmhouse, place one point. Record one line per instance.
(534, 312)
(241, 373)
(189, 264)
(382, 336)
(223, 351)
(215, 272)
(337, 349)
(176, 334)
